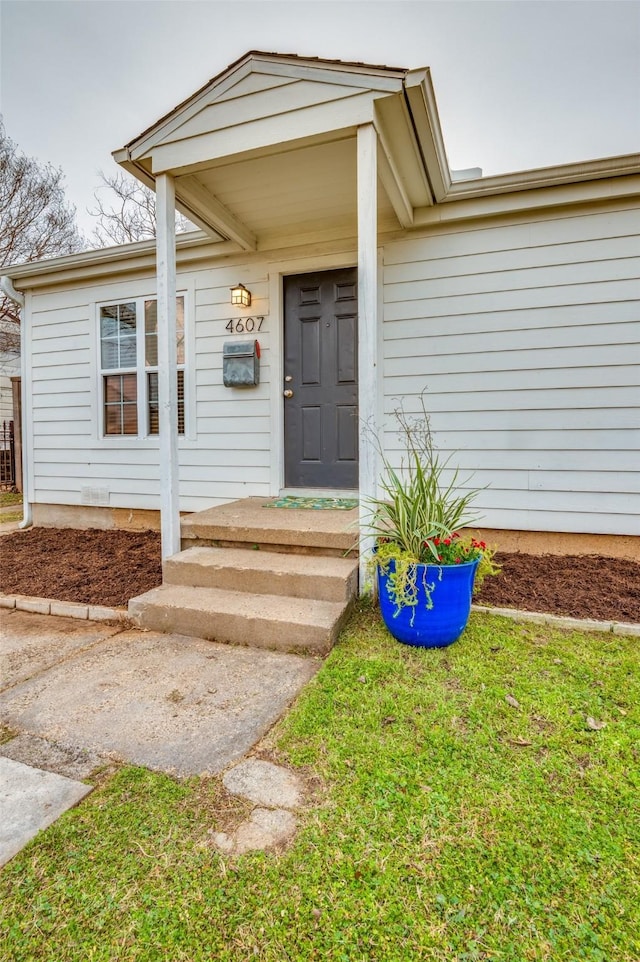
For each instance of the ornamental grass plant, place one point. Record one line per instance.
(416, 520)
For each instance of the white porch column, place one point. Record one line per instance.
(368, 375)
(167, 377)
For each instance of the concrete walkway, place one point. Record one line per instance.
(75, 695)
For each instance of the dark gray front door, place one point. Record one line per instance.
(321, 372)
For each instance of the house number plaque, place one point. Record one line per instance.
(244, 325)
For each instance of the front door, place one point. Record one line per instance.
(321, 379)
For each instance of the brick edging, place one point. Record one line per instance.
(65, 609)
(71, 609)
(608, 627)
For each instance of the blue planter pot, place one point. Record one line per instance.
(443, 608)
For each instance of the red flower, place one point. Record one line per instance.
(436, 541)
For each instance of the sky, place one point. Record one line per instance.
(519, 83)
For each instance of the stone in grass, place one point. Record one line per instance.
(595, 726)
(265, 828)
(264, 784)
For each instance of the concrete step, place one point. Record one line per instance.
(250, 522)
(301, 625)
(264, 572)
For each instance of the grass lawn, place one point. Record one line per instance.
(444, 821)
(7, 499)
(8, 516)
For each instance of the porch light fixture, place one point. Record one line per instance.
(240, 296)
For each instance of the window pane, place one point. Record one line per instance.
(120, 404)
(151, 332)
(153, 408)
(127, 316)
(108, 321)
(118, 336)
(112, 389)
(180, 402)
(112, 424)
(151, 350)
(129, 388)
(180, 329)
(152, 403)
(109, 354)
(129, 419)
(128, 352)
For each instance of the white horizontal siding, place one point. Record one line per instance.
(232, 457)
(541, 319)
(514, 259)
(541, 297)
(498, 391)
(553, 457)
(525, 339)
(525, 336)
(227, 451)
(568, 336)
(531, 423)
(526, 236)
(561, 275)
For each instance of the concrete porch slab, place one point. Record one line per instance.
(250, 521)
(30, 801)
(167, 702)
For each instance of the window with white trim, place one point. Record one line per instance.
(129, 366)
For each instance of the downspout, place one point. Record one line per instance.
(6, 286)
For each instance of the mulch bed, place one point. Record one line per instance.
(580, 586)
(109, 567)
(91, 567)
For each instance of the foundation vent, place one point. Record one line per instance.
(98, 497)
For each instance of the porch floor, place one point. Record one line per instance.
(296, 530)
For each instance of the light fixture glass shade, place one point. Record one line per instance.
(240, 296)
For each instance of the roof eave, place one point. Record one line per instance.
(542, 177)
(140, 255)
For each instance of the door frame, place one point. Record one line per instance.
(278, 269)
(322, 306)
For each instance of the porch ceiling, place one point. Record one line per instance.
(304, 190)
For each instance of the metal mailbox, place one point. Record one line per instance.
(241, 363)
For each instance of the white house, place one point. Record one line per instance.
(374, 274)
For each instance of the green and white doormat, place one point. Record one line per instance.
(318, 504)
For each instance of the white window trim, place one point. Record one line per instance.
(143, 438)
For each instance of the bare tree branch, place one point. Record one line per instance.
(126, 211)
(35, 222)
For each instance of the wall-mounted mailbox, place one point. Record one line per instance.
(241, 363)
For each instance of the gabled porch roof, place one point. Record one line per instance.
(268, 147)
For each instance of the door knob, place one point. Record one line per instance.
(288, 393)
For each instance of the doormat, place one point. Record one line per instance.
(318, 504)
